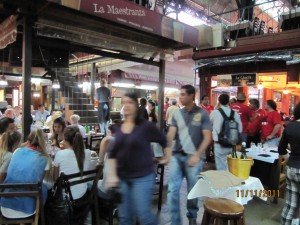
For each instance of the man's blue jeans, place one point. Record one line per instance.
(136, 200)
(179, 169)
(103, 116)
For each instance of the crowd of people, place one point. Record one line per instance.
(127, 154)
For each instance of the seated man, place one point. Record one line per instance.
(74, 119)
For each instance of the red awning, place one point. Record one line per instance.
(8, 31)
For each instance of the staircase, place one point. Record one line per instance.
(74, 100)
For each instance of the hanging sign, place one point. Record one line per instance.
(247, 79)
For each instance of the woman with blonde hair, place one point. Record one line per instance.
(28, 165)
(9, 142)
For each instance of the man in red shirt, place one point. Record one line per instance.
(254, 127)
(271, 125)
(205, 104)
(245, 113)
(166, 106)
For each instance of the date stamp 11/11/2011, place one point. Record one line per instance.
(257, 193)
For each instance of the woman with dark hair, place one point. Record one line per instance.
(131, 164)
(73, 159)
(292, 137)
(152, 114)
(58, 131)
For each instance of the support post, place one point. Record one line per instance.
(161, 93)
(93, 76)
(26, 75)
(53, 99)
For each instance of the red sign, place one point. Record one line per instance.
(129, 14)
(8, 31)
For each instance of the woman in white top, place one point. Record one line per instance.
(73, 159)
(9, 141)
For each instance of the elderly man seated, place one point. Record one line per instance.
(74, 120)
(10, 113)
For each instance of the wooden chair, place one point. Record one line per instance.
(160, 172)
(94, 176)
(27, 190)
(94, 138)
(282, 178)
(221, 211)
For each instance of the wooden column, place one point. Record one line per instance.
(285, 106)
(26, 75)
(161, 92)
(205, 86)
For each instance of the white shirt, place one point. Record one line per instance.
(41, 116)
(81, 129)
(66, 161)
(217, 121)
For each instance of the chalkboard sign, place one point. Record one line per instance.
(247, 79)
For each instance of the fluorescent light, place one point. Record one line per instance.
(147, 87)
(36, 80)
(125, 85)
(171, 89)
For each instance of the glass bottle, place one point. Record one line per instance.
(233, 153)
(243, 151)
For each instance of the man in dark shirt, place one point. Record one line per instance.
(103, 97)
(142, 109)
(291, 135)
(191, 129)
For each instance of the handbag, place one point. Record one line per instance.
(60, 203)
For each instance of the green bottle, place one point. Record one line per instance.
(87, 128)
(243, 152)
(233, 153)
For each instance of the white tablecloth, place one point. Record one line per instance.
(258, 154)
(240, 194)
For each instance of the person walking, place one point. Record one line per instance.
(191, 129)
(131, 164)
(217, 120)
(103, 97)
(271, 125)
(292, 137)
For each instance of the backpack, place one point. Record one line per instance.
(229, 135)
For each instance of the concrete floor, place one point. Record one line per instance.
(257, 212)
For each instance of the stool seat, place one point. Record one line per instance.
(222, 211)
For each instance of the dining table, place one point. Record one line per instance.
(265, 165)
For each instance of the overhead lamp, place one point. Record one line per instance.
(285, 91)
(260, 85)
(55, 84)
(124, 85)
(86, 81)
(3, 81)
(147, 87)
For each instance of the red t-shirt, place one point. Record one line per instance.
(208, 108)
(254, 126)
(245, 113)
(268, 124)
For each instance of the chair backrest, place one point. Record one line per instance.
(27, 190)
(91, 175)
(95, 138)
(282, 164)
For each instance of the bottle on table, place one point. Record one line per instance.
(243, 151)
(233, 153)
(87, 128)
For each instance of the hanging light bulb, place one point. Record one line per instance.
(286, 91)
(3, 81)
(260, 85)
(55, 84)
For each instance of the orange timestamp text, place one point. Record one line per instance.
(257, 193)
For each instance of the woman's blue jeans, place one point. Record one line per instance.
(136, 200)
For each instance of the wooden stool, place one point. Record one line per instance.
(220, 211)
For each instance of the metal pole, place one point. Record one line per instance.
(161, 93)
(53, 93)
(93, 76)
(26, 75)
